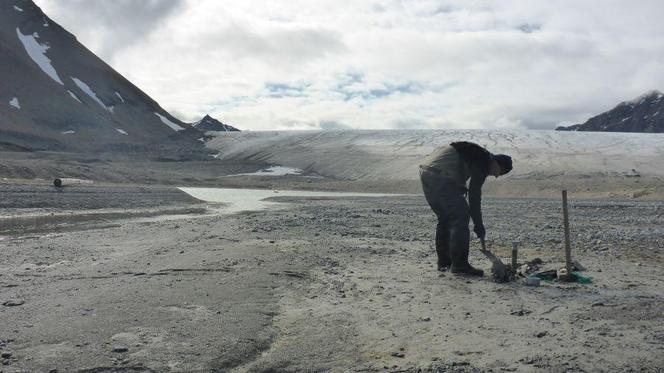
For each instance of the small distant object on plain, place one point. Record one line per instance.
(60, 182)
(120, 348)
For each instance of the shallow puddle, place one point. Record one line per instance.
(273, 171)
(238, 200)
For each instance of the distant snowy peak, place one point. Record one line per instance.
(642, 114)
(210, 124)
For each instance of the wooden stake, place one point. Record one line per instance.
(568, 249)
(515, 253)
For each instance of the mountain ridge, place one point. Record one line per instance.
(643, 114)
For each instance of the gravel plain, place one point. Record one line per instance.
(329, 284)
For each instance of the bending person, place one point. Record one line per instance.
(444, 175)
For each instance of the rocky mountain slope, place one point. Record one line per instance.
(58, 95)
(643, 114)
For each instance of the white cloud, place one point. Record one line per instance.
(107, 27)
(386, 64)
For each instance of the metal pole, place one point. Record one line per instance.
(568, 249)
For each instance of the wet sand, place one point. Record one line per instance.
(338, 284)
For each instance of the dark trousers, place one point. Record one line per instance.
(448, 201)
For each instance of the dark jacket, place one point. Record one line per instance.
(463, 161)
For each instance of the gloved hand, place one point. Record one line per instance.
(480, 231)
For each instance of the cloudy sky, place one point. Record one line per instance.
(335, 64)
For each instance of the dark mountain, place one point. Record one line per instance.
(210, 124)
(58, 95)
(643, 114)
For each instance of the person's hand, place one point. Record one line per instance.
(480, 231)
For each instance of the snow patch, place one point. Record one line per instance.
(122, 131)
(167, 122)
(37, 52)
(88, 91)
(202, 139)
(17, 9)
(14, 102)
(120, 97)
(74, 96)
(68, 132)
(625, 119)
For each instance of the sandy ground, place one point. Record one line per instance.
(330, 284)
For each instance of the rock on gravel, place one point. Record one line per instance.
(13, 303)
(120, 348)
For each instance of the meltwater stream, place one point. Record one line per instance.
(222, 201)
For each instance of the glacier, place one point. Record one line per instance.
(396, 154)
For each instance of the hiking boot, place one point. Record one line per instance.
(467, 269)
(443, 267)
